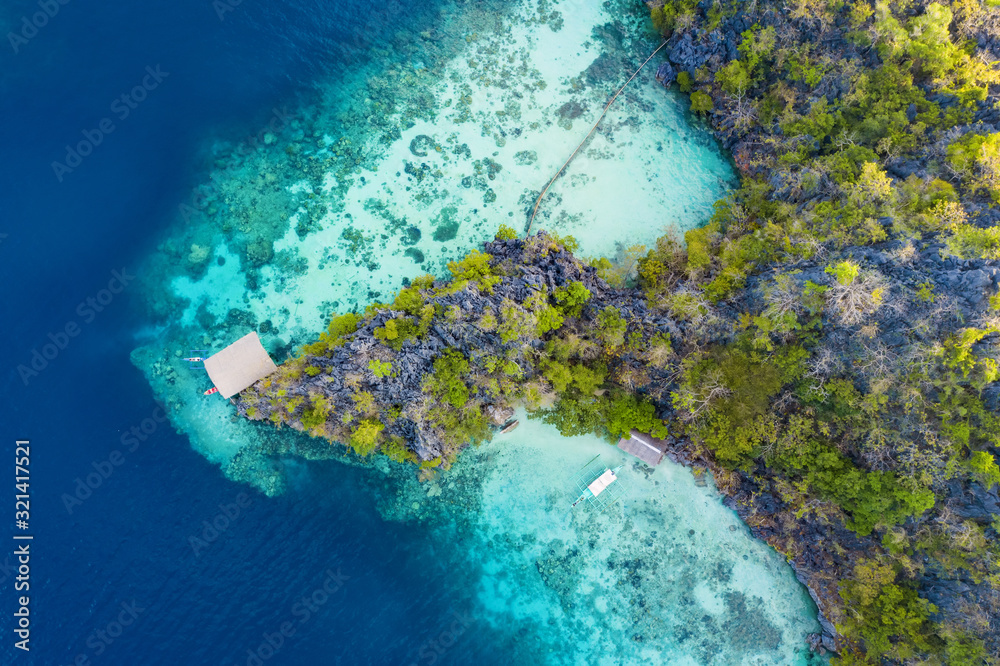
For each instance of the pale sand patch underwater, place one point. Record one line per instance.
(510, 109)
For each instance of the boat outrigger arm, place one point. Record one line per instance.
(598, 485)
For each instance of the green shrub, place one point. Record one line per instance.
(515, 322)
(757, 46)
(684, 81)
(891, 619)
(800, 67)
(734, 78)
(610, 416)
(970, 242)
(475, 267)
(447, 382)
(572, 298)
(380, 368)
(396, 450)
(339, 328)
(701, 102)
(506, 233)
(699, 246)
(586, 379)
(611, 327)
(930, 41)
(984, 468)
(548, 319)
(846, 272)
(665, 18)
(964, 151)
(364, 438)
(625, 411)
(558, 375)
(313, 418)
(409, 301)
(395, 332)
(425, 281)
(733, 389)
(926, 292)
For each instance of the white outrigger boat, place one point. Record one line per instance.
(598, 484)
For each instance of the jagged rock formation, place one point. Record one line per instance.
(523, 278)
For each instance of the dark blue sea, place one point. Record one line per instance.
(165, 561)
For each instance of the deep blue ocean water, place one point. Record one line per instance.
(124, 555)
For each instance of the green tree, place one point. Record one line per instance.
(684, 81)
(364, 439)
(380, 368)
(572, 298)
(701, 102)
(984, 468)
(611, 327)
(889, 618)
(734, 78)
(506, 233)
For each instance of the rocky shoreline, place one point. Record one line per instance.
(528, 270)
(825, 345)
(726, 58)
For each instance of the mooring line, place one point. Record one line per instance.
(607, 106)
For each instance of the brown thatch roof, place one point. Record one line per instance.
(645, 447)
(239, 365)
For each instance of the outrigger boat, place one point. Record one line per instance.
(599, 484)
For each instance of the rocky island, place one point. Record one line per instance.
(826, 344)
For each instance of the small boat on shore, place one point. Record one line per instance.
(509, 426)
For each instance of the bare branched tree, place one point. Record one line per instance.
(783, 297)
(824, 364)
(877, 360)
(694, 401)
(742, 110)
(852, 303)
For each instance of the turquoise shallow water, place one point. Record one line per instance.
(397, 168)
(394, 169)
(667, 576)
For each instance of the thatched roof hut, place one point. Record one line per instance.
(239, 365)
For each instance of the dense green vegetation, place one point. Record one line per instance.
(850, 430)
(549, 352)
